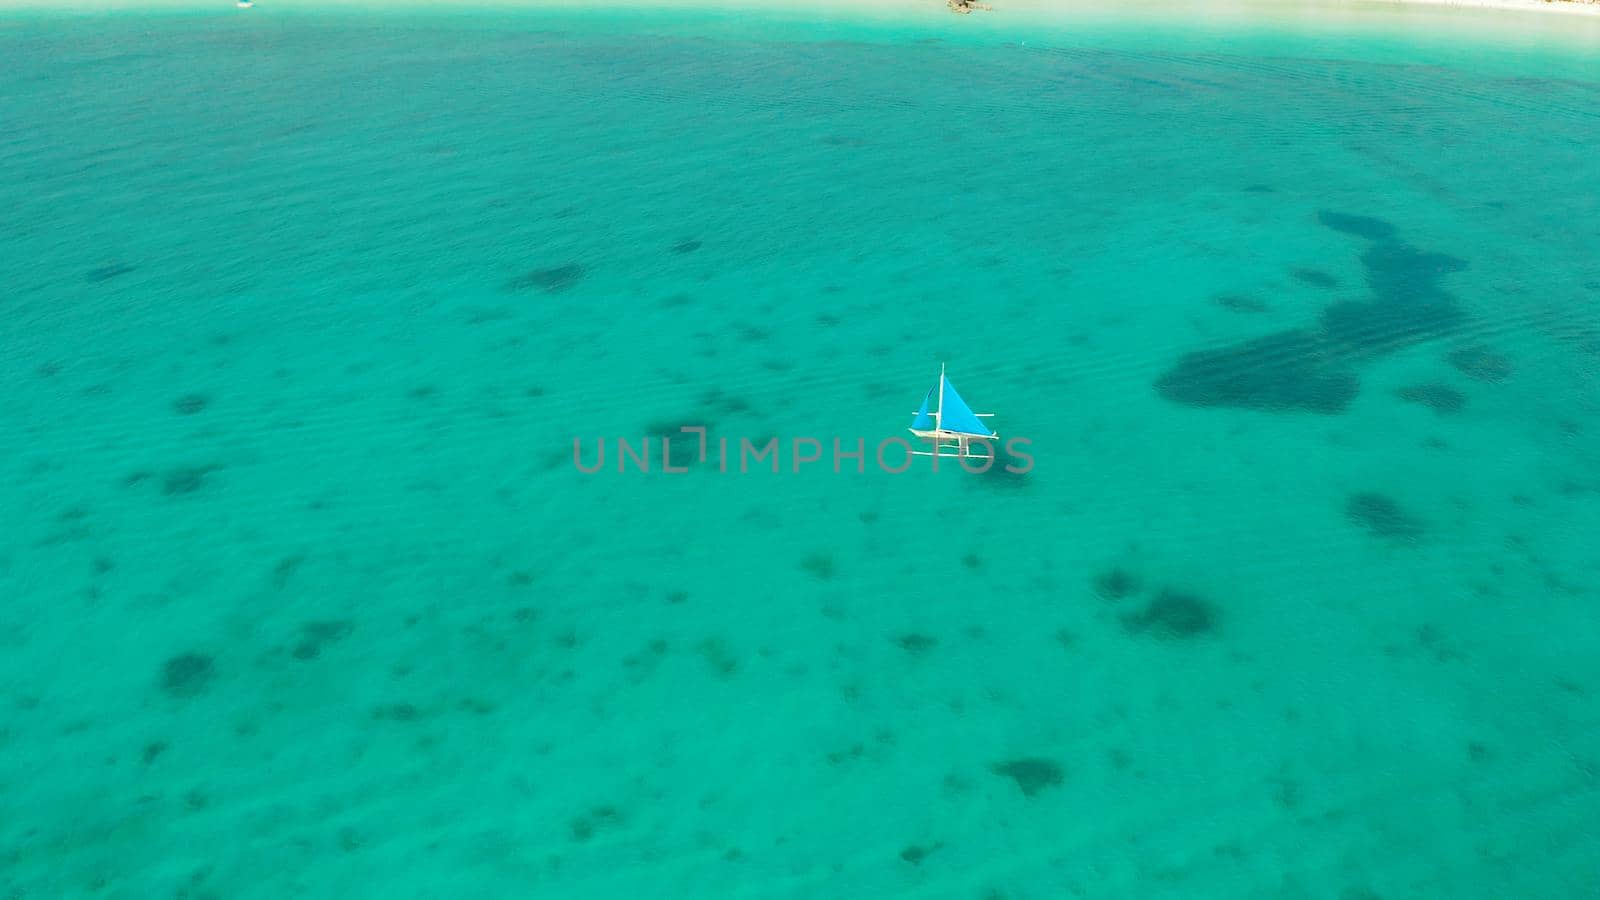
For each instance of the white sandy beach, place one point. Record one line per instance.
(1034, 10)
(1578, 7)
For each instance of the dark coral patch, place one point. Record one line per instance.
(189, 404)
(1033, 775)
(1287, 371)
(672, 446)
(1441, 398)
(1241, 303)
(1399, 273)
(106, 273)
(1382, 517)
(187, 674)
(818, 565)
(1115, 584)
(1172, 614)
(597, 819)
(284, 570)
(1313, 369)
(1481, 363)
(1360, 226)
(1367, 329)
(916, 644)
(316, 635)
(1314, 277)
(719, 656)
(685, 246)
(397, 712)
(914, 854)
(551, 280)
(185, 480)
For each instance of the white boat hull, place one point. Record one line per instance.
(956, 445)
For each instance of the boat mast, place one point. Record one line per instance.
(938, 422)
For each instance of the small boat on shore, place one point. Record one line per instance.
(950, 425)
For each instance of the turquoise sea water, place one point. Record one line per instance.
(301, 593)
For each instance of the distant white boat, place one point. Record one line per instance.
(245, 4)
(949, 423)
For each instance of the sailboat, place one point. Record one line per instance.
(950, 424)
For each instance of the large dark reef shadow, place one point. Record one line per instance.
(1316, 369)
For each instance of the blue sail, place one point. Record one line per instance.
(924, 419)
(956, 415)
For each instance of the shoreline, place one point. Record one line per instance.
(1483, 35)
(1580, 7)
(1032, 10)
